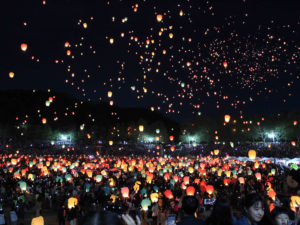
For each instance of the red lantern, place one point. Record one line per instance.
(190, 191)
(24, 47)
(210, 189)
(225, 64)
(168, 194)
(227, 181)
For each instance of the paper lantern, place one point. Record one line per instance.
(84, 25)
(37, 221)
(273, 172)
(145, 204)
(220, 172)
(258, 176)
(225, 64)
(30, 176)
(89, 173)
(11, 74)
(210, 189)
(13, 161)
(256, 165)
(110, 143)
(293, 143)
(175, 178)
(109, 94)
(24, 47)
(141, 128)
(191, 170)
(186, 180)
(190, 191)
(272, 194)
(167, 177)
(172, 148)
(227, 181)
(125, 192)
(23, 185)
(154, 197)
(159, 17)
(241, 180)
(44, 121)
(168, 194)
(227, 118)
(98, 178)
(216, 152)
(252, 154)
(295, 123)
(72, 202)
(295, 202)
(228, 173)
(171, 138)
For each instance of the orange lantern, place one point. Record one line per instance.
(216, 152)
(11, 74)
(227, 118)
(272, 194)
(44, 121)
(252, 154)
(227, 181)
(159, 17)
(190, 191)
(72, 202)
(293, 143)
(210, 189)
(168, 194)
(24, 47)
(171, 138)
(225, 64)
(109, 94)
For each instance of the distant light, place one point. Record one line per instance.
(63, 137)
(271, 135)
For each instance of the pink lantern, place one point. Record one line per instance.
(125, 192)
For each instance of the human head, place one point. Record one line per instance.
(221, 213)
(189, 205)
(280, 216)
(103, 218)
(255, 207)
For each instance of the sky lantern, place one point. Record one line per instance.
(272, 194)
(227, 118)
(24, 47)
(216, 152)
(172, 148)
(38, 220)
(295, 202)
(23, 185)
(209, 189)
(186, 180)
(293, 143)
(44, 121)
(159, 18)
(84, 25)
(141, 128)
(13, 161)
(111, 102)
(72, 202)
(98, 178)
(227, 181)
(175, 178)
(181, 13)
(109, 94)
(171, 138)
(295, 123)
(145, 204)
(225, 64)
(111, 40)
(252, 154)
(171, 35)
(241, 180)
(68, 52)
(11, 75)
(258, 176)
(110, 143)
(125, 192)
(168, 194)
(67, 44)
(154, 197)
(190, 191)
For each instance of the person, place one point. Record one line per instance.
(280, 216)
(61, 215)
(13, 216)
(221, 213)
(110, 218)
(189, 206)
(2, 217)
(256, 212)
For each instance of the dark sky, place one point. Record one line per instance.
(230, 56)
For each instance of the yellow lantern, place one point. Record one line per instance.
(72, 202)
(252, 154)
(295, 202)
(141, 128)
(37, 221)
(110, 143)
(216, 152)
(11, 74)
(109, 94)
(154, 197)
(13, 161)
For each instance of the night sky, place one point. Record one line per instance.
(183, 58)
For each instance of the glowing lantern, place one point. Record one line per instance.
(216, 152)
(89, 173)
(37, 220)
(191, 170)
(168, 194)
(175, 178)
(256, 165)
(295, 202)
(273, 172)
(11, 74)
(24, 47)
(293, 143)
(258, 176)
(98, 178)
(13, 161)
(241, 180)
(295, 123)
(171, 138)
(172, 148)
(125, 192)
(154, 197)
(109, 94)
(210, 189)
(220, 173)
(272, 194)
(111, 103)
(171, 35)
(111, 40)
(110, 143)
(22, 185)
(67, 44)
(44, 121)
(190, 191)
(68, 52)
(225, 64)
(227, 181)
(141, 128)
(159, 17)
(145, 204)
(186, 180)
(252, 154)
(227, 118)
(72, 202)
(84, 25)
(31, 176)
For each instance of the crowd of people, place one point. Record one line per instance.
(143, 189)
